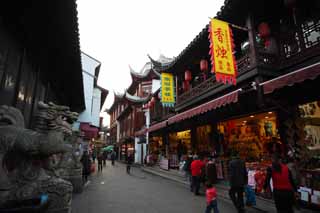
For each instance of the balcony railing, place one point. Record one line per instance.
(295, 46)
(243, 65)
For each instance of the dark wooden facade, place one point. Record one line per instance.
(297, 40)
(39, 55)
(127, 111)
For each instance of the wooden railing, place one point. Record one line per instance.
(243, 65)
(295, 46)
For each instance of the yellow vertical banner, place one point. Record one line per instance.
(221, 50)
(167, 90)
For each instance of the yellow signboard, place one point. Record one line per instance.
(167, 89)
(222, 58)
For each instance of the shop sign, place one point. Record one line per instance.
(164, 163)
(167, 90)
(221, 51)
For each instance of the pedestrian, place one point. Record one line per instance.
(94, 155)
(238, 180)
(211, 171)
(113, 157)
(292, 165)
(283, 185)
(105, 155)
(187, 169)
(196, 167)
(100, 162)
(86, 166)
(211, 197)
(129, 162)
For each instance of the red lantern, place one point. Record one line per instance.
(204, 65)
(185, 86)
(187, 75)
(264, 30)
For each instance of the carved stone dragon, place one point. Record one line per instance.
(24, 156)
(52, 118)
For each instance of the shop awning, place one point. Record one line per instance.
(140, 132)
(89, 131)
(307, 73)
(229, 98)
(157, 126)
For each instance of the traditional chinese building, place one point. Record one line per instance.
(89, 122)
(127, 115)
(40, 55)
(277, 57)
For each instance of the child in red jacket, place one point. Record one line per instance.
(211, 196)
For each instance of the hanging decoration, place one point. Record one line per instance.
(204, 65)
(187, 75)
(221, 50)
(167, 90)
(204, 68)
(185, 86)
(265, 32)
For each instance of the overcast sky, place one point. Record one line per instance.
(120, 33)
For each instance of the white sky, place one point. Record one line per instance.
(123, 32)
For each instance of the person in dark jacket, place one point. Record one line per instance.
(105, 156)
(113, 157)
(129, 162)
(211, 172)
(86, 164)
(238, 179)
(100, 162)
(283, 185)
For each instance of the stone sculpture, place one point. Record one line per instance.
(24, 156)
(52, 119)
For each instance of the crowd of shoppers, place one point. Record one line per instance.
(200, 170)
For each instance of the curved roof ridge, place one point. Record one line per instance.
(136, 99)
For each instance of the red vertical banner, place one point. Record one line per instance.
(221, 52)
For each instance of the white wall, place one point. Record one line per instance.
(92, 95)
(137, 148)
(96, 102)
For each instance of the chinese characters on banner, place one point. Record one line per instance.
(221, 51)
(167, 90)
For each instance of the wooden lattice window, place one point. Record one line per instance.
(311, 33)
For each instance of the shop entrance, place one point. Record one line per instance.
(254, 137)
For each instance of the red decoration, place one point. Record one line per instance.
(204, 65)
(185, 86)
(267, 42)
(264, 30)
(153, 101)
(187, 75)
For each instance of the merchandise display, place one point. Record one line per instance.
(255, 137)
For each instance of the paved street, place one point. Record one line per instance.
(114, 191)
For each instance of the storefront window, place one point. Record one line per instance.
(255, 137)
(309, 152)
(204, 146)
(180, 144)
